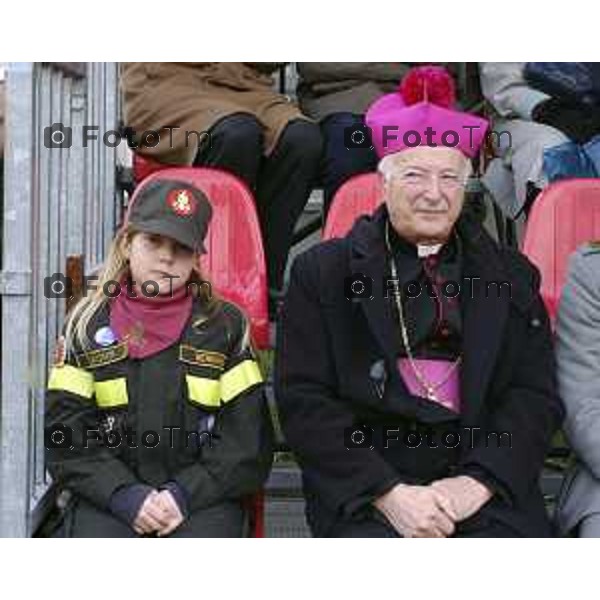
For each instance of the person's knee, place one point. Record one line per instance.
(238, 134)
(302, 139)
(341, 159)
(334, 126)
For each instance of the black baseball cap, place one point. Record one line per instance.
(175, 209)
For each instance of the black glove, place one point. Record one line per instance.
(579, 123)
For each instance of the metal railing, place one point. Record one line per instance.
(58, 202)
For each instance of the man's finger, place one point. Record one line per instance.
(427, 532)
(443, 523)
(401, 529)
(445, 503)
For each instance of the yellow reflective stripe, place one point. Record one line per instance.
(239, 378)
(203, 390)
(112, 392)
(71, 379)
(210, 392)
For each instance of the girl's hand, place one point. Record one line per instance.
(170, 509)
(151, 516)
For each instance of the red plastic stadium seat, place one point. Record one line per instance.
(565, 215)
(144, 167)
(360, 195)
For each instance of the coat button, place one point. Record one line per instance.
(535, 322)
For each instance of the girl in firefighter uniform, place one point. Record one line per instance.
(156, 421)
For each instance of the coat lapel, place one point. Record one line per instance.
(368, 256)
(484, 318)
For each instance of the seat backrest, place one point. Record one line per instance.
(360, 195)
(565, 215)
(235, 260)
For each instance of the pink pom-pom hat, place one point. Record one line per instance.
(423, 113)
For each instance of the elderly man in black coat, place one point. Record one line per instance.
(415, 370)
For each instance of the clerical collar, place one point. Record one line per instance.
(425, 250)
(444, 251)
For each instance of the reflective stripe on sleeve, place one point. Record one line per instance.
(71, 379)
(239, 378)
(202, 390)
(112, 392)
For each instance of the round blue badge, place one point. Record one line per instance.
(105, 336)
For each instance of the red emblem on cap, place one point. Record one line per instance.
(182, 203)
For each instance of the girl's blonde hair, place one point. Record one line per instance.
(115, 268)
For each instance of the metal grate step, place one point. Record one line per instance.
(284, 517)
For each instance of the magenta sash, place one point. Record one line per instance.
(447, 394)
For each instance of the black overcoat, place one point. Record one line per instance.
(328, 381)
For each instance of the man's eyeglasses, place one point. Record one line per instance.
(419, 180)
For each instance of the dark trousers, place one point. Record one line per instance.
(339, 162)
(84, 520)
(377, 526)
(281, 182)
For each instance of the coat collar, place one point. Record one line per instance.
(485, 313)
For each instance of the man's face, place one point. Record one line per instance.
(424, 192)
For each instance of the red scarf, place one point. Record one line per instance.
(150, 324)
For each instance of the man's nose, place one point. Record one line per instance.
(433, 190)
